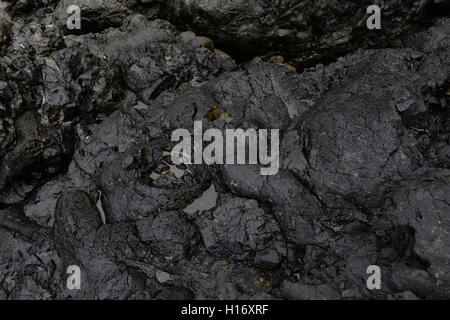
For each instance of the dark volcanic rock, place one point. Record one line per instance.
(5, 22)
(241, 229)
(96, 15)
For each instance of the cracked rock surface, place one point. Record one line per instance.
(86, 176)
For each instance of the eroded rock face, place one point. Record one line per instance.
(304, 31)
(417, 204)
(97, 15)
(86, 176)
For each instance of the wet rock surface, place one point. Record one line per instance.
(86, 176)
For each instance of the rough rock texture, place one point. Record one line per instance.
(86, 177)
(304, 31)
